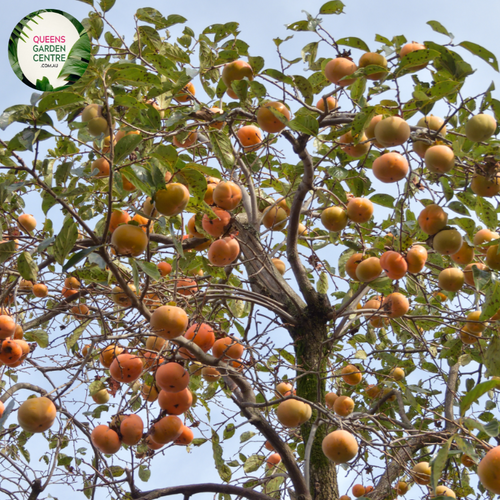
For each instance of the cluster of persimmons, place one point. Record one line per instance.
(130, 236)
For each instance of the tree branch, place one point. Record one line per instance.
(193, 489)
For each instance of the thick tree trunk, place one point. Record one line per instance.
(311, 358)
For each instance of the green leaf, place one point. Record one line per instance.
(467, 448)
(257, 64)
(252, 463)
(77, 332)
(306, 124)
(57, 100)
(7, 250)
(114, 471)
(144, 473)
(355, 43)
(417, 58)
(459, 208)
(95, 387)
(439, 463)
(41, 337)
(439, 28)
(333, 7)
(492, 357)
(381, 285)
(486, 212)
(358, 88)
(77, 257)
(278, 75)
(304, 87)
(125, 146)
(27, 267)
(229, 431)
(481, 52)
(65, 241)
(475, 394)
(447, 190)
(149, 268)
(222, 148)
(223, 470)
(286, 355)
(322, 283)
(491, 302)
(175, 239)
(385, 200)
(246, 436)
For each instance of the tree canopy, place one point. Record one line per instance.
(308, 252)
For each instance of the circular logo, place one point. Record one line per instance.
(49, 50)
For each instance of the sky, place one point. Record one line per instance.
(260, 22)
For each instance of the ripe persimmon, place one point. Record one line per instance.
(108, 354)
(390, 167)
(343, 406)
(416, 258)
(451, 279)
(355, 150)
(223, 252)
(465, 254)
(228, 347)
(131, 429)
(268, 121)
(215, 227)
(331, 103)
(338, 68)
(128, 239)
(396, 305)
(334, 218)
(167, 429)
(40, 290)
(36, 414)
(186, 437)
(169, 322)
(187, 142)
(373, 59)
(292, 413)
(469, 273)
(126, 368)
(368, 269)
(351, 375)
(392, 131)
(359, 209)
(165, 268)
(172, 377)
(340, 446)
(7, 326)
(394, 264)
(352, 264)
(105, 439)
(172, 200)
(227, 195)
(447, 242)
(175, 403)
(202, 335)
(250, 137)
(10, 351)
(432, 219)
(118, 217)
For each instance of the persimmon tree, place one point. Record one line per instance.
(308, 250)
